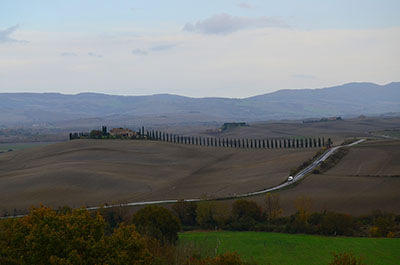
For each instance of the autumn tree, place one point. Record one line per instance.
(157, 222)
(303, 206)
(74, 237)
(245, 214)
(186, 212)
(272, 205)
(211, 215)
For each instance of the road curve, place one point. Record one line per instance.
(296, 178)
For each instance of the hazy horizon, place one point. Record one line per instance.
(198, 97)
(228, 48)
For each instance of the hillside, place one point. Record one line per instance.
(366, 179)
(94, 172)
(89, 109)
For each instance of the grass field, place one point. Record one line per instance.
(287, 249)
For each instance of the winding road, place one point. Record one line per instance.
(296, 178)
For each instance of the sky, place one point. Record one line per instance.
(223, 48)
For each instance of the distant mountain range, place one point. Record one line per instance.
(91, 109)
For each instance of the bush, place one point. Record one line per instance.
(345, 259)
(337, 224)
(157, 222)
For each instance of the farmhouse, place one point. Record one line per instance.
(121, 132)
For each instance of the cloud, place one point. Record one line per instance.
(5, 35)
(223, 24)
(244, 5)
(163, 47)
(157, 48)
(140, 52)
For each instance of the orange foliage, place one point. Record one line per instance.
(74, 237)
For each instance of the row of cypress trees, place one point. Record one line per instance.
(235, 143)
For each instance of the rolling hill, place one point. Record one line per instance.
(90, 109)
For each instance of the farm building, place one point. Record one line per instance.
(121, 132)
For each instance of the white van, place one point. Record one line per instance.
(290, 179)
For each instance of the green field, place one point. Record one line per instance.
(287, 249)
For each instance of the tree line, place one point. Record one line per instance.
(210, 141)
(246, 215)
(149, 237)
(237, 143)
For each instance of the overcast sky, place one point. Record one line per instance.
(196, 48)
